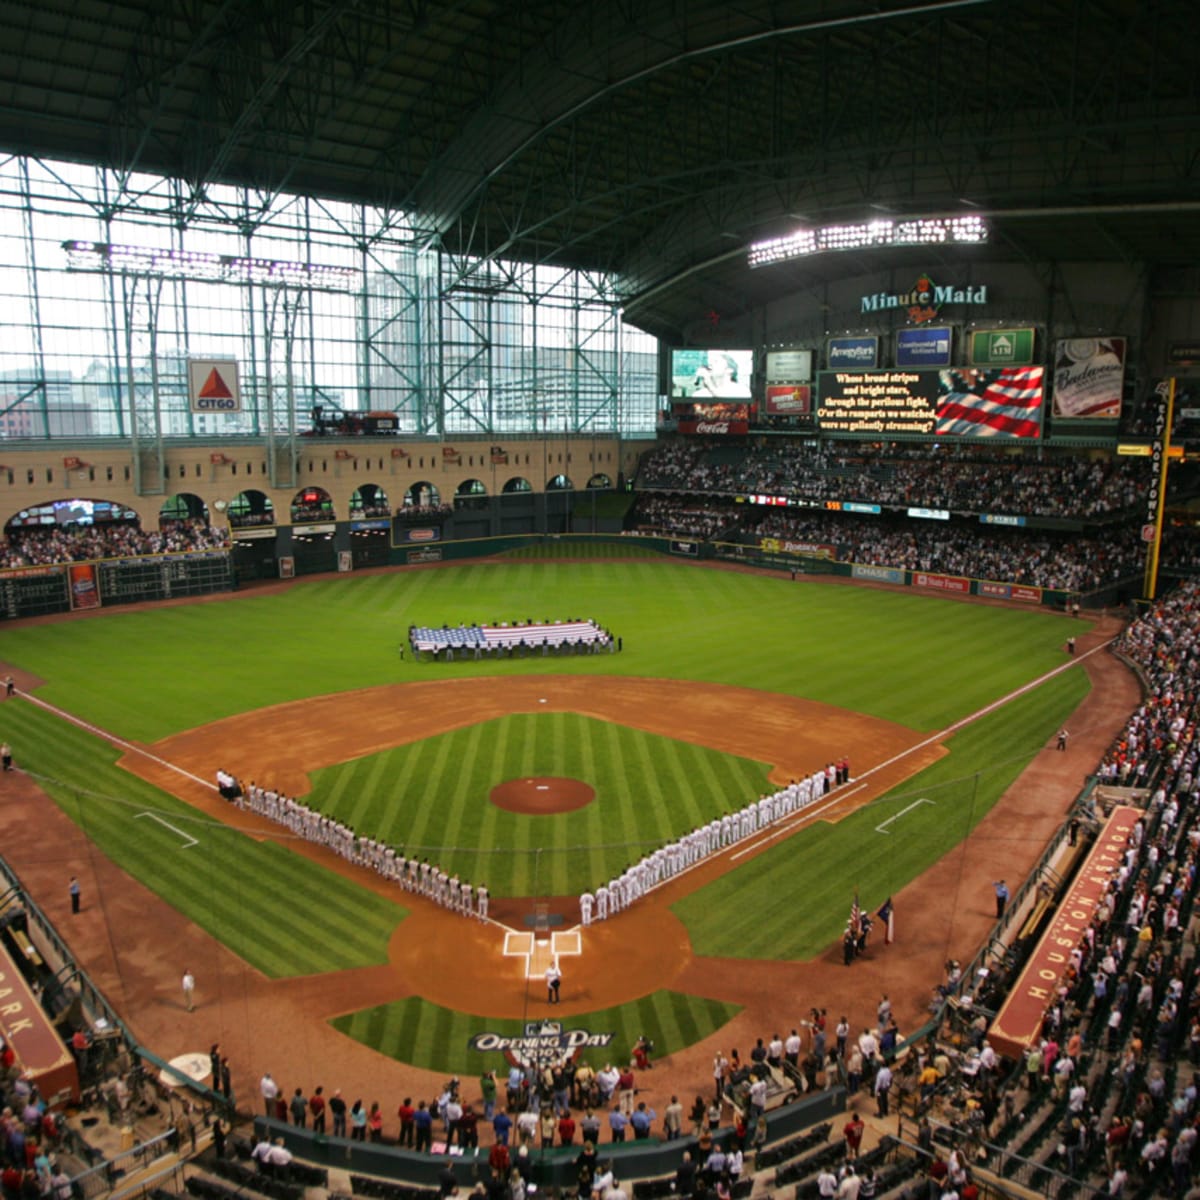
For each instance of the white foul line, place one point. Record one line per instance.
(915, 804)
(838, 797)
(128, 747)
(191, 841)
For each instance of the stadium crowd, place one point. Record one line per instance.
(1109, 1090)
(954, 477)
(1067, 562)
(80, 543)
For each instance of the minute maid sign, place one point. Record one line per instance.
(542, 1042)
(925, 300)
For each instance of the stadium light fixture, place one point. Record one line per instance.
(879, 233)
(195, 264)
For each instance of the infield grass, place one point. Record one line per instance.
(649, 789)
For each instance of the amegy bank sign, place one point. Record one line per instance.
(542, 1042)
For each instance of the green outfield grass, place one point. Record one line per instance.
(648, 790)
(427, 1035)
(739, 915)
(919, 660)
(282, 913)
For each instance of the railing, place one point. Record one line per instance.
(195, 1098)
(100, 1179)
(1004, 1167)
(169, 1176)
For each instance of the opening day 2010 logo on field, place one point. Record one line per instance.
(542, 1042)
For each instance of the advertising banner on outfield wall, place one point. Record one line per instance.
(85, 590)
(774, 545)
(427, 554)
(877, 574)
(1010, 591)
(1089, 378)
(941, 583)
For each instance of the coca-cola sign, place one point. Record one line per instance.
(719, 428)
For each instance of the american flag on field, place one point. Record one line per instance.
(855, 925)
(888, 916)
(998, 402)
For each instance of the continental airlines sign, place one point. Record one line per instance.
(925, 300)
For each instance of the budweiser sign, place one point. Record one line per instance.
(719, 428)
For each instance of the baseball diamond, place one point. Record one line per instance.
(458, 965)
(630, 564)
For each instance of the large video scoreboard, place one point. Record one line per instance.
(995, 402)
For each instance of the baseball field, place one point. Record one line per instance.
(728, 685)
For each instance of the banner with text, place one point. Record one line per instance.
(1002, 347)
(1010, 591)
(1002, 402)
(1089, 377)
(1019, 1022)
(788, 399)
(925, 346)
(715, 428)
(789, 366)
(849, 353)
(85, 589)
(214, 385)
(941, 583)
(775, 545)
(874, 574)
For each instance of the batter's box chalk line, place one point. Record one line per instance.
(883, 827)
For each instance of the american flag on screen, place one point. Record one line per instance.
(855, 923)
(999, 402)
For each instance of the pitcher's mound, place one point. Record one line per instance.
(542, 795)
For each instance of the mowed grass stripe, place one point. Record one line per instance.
(239, 890)
(436, 1039)
(649, 790)
(792, 901)
(920, 660)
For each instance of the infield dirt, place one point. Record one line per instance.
(136, 947)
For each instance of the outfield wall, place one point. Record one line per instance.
(58, 588)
